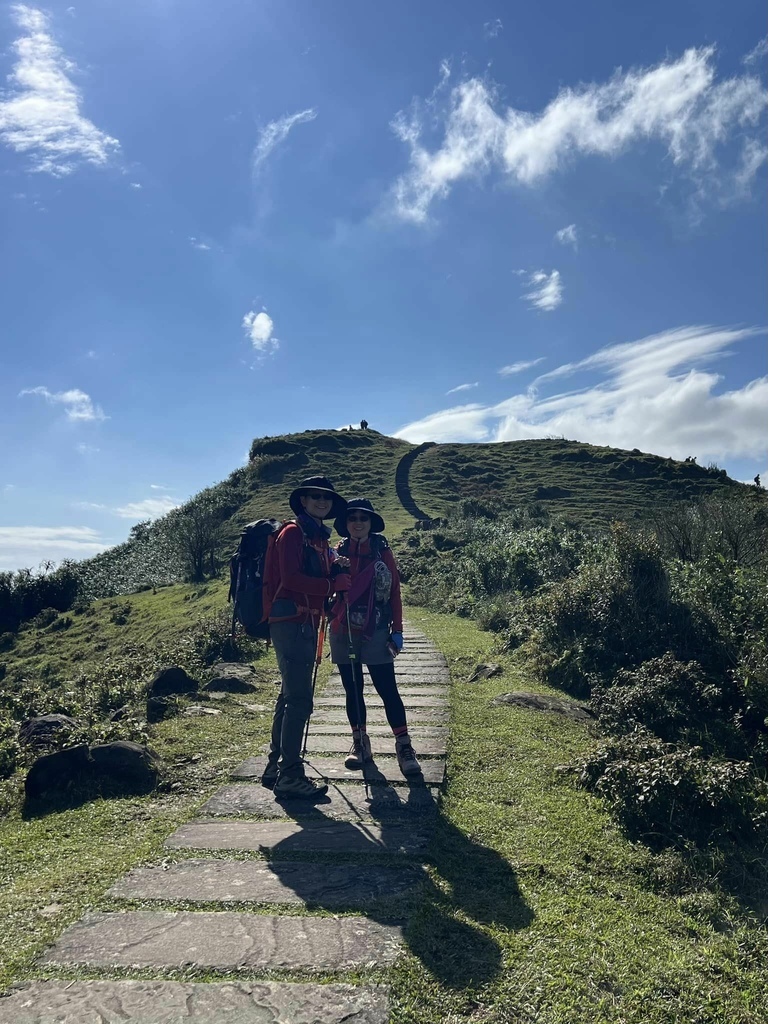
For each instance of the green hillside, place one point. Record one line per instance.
(582, 482)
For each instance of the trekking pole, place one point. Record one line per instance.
(318, 659)
(353, 661)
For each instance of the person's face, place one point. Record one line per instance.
(317, 504)
(358, 524)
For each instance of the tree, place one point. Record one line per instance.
(195, 533)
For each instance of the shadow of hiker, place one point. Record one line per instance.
(470, 887)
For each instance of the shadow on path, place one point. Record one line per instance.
(473, 886)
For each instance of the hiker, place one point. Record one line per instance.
(368, 618)
(307, 575)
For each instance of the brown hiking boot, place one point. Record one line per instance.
(406, 757)
(360, 751)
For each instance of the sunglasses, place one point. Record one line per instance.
(358, 519)
(317, 495)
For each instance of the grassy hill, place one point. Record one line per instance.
(585, 483)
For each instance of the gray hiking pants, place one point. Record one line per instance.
(295, 645)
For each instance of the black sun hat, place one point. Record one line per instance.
(359, 505)
(317, 483)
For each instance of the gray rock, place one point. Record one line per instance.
(229, 684)
(44, 730)
(320, 743)
(383, 769)
(412, 702)
(225, 941)
(53, 774)
(540, 702)
(285, 882)
(485, 672)
(171, 680)
(173, 1002)
(124, 766)
(308, 836)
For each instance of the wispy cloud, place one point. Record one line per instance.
(41, 115)
(657, 394)
(513, 368)
(678, 103)
(197, 244)
(567, 236)
(276, 132)
(463, 387)
(760, 52)
(546, 290)
(137, 185)
(27, 546)
(147, 508)
(258, 328)
(77, 404)
(492, 28)
(86, 449)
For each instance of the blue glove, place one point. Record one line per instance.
(397, 640)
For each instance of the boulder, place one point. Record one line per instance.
(485, 672)
(541, 702)
(54, 773)
(229, 684)
(159, 708)
(124, 766)
(171, 680)
(42, 731)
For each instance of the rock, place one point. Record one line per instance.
(541, 702)
(234, 668)
(54, 773)
(124, 766)
(171, 680)
(197, 711)
(485, 672)
(229, 684)
(42, 731)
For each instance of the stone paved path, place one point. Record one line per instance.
(355, 852)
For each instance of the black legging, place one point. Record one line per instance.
(383, 678)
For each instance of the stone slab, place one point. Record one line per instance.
(309, 836)
(347, 802)
(413, 702)
(376, 716)
(254, 881)
(322, 743)
(224, 941)
(172, 1002)
(411, 690)
(383, 769)
(415, 732)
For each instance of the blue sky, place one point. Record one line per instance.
(461, 221)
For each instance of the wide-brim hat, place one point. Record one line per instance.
(359, 505)
(317, 483)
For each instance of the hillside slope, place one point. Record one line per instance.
(588, 484)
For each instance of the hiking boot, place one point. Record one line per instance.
(406, 757)
(269, 778)
(360, 751)
(299, 787)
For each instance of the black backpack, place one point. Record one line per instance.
(246, 577)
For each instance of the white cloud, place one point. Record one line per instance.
(149, 508)
(492, 28)
(758, 53)
(463, 387)
(276, 132)
(158, 487)
(28, 546)
(508, 371)
(197, 244)
(77, 405)
(656, 394)
(259, 327)
(8, 490)
(546, 290)
(40, 115)
(86, 449)
(567, 236)
(137, 185)
(678, 104)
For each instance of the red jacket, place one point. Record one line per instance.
(308, 592)
(360, 556)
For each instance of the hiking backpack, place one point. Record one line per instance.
(248, 571)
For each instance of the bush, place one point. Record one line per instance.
(9, 748)
(669, 794)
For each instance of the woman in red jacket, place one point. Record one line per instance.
(370, 618)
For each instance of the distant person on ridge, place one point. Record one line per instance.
(305, 561)
(369, 617)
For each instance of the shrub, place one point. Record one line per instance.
(44, 618)
(9, 748)
(669, 794)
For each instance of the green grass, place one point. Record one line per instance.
(586, 483)
(540, 910)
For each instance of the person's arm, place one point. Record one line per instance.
(290, 551)
(395, 598)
